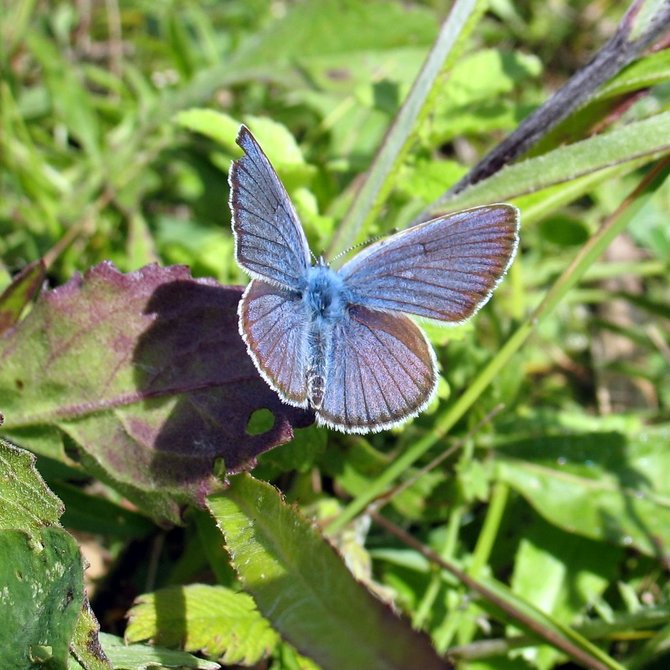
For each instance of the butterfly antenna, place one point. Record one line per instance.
(365, 243)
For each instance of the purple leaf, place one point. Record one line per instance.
(147, 373)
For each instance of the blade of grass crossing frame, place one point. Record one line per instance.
(379, 181)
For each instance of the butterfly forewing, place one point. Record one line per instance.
(269, 241)
(381, 371)
(275, 327)
(444, 269)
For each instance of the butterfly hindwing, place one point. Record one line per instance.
(269, 241)
(275, 327)
(444, 269)
(381, 371)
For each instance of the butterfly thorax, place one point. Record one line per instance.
(325, 294)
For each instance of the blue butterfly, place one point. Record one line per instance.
(338, 341)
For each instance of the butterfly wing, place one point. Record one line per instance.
(269, 241)
(444, 269)
(381, 371)
(275, 327)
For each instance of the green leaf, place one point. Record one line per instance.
(220, 127)
(649, 138)
(42, 590)
(215, 620)
(300, 454)
(603, 486)
(561, 574)
(26, 503)
(86, 645)
(144, 656)
(651, 70)
(486, 73)
(41, 572)
(304, 588)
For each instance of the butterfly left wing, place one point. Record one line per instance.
(269, 241)
(444, 269)
(275, 328)
(381, 371)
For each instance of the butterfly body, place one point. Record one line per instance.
(339, 341)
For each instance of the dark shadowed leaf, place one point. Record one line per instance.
(147, 373)
(19, 293)
(304, 588)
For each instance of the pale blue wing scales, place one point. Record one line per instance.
(275, 328)
(444, 269)
(269, 241)
(381, 371)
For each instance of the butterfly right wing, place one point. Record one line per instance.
(269, 241)
(275, 328)
(381, 371)
(444, 269)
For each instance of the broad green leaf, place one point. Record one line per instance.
(145, 656)
(41, 572)
(475, 99)
(277, 142)
(486, 73)
(215, 620)
(147, 374)
(561, 574)
(26, 503)
(300, 454)
(649, 138)
(426, 179)
(282, 150)
(603, 486)
(42, 590)
(41, 569)
(303, 587)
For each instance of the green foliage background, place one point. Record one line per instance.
(550, 511)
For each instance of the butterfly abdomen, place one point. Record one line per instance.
(318, 343)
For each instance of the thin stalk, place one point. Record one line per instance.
(561, 638)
